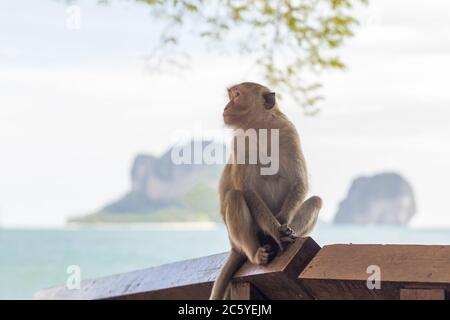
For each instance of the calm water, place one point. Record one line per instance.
(34, 259)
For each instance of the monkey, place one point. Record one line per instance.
(262, 213)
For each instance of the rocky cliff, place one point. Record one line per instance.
(385, 198)
(162, 190)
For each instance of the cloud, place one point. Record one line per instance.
(77, 106)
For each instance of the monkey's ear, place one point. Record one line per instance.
(269, 100)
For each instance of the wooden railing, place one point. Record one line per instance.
(303, 271)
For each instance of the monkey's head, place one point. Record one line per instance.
(249, 103)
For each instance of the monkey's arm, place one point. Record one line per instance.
(291, 203)
(262, 215)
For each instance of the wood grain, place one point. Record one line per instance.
(193, 279)
(340, 271)
(245, 291)
(422, 294)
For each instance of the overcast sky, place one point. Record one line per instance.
(77, 106)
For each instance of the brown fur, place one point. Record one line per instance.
(262, 212)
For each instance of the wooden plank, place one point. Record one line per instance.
(278, 279)
(422, 294)
(189, 279)
(341, 271)
(193, 279)
(245, 291)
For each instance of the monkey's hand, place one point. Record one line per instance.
(287, 234)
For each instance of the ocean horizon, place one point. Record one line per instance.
(32, 259)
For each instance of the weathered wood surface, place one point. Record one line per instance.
(340, 271)
(193, 279)
(245, 291)
(422, 294)
(278, 279)
(189, 279)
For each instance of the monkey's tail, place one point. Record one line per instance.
(306, 219)
(234, 261)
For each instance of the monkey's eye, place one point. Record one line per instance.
(237, 93)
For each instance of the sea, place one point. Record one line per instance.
(33, 259)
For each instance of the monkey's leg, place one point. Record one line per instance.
(304, 220)
(234, 261)
(263, 217)
(243, 236)
(292, 203)
(242, 229)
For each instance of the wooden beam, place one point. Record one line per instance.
(188, 279)
(422, 294)
(341, 271)
(193, 279)
(278, 279)
(245, 291)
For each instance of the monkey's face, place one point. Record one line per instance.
(248, 102)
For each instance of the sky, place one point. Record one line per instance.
(76, 106)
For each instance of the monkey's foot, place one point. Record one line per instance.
(287, 234)
(271, 251)
(286, 230)
(262, 255)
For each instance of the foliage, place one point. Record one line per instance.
(292, 41)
